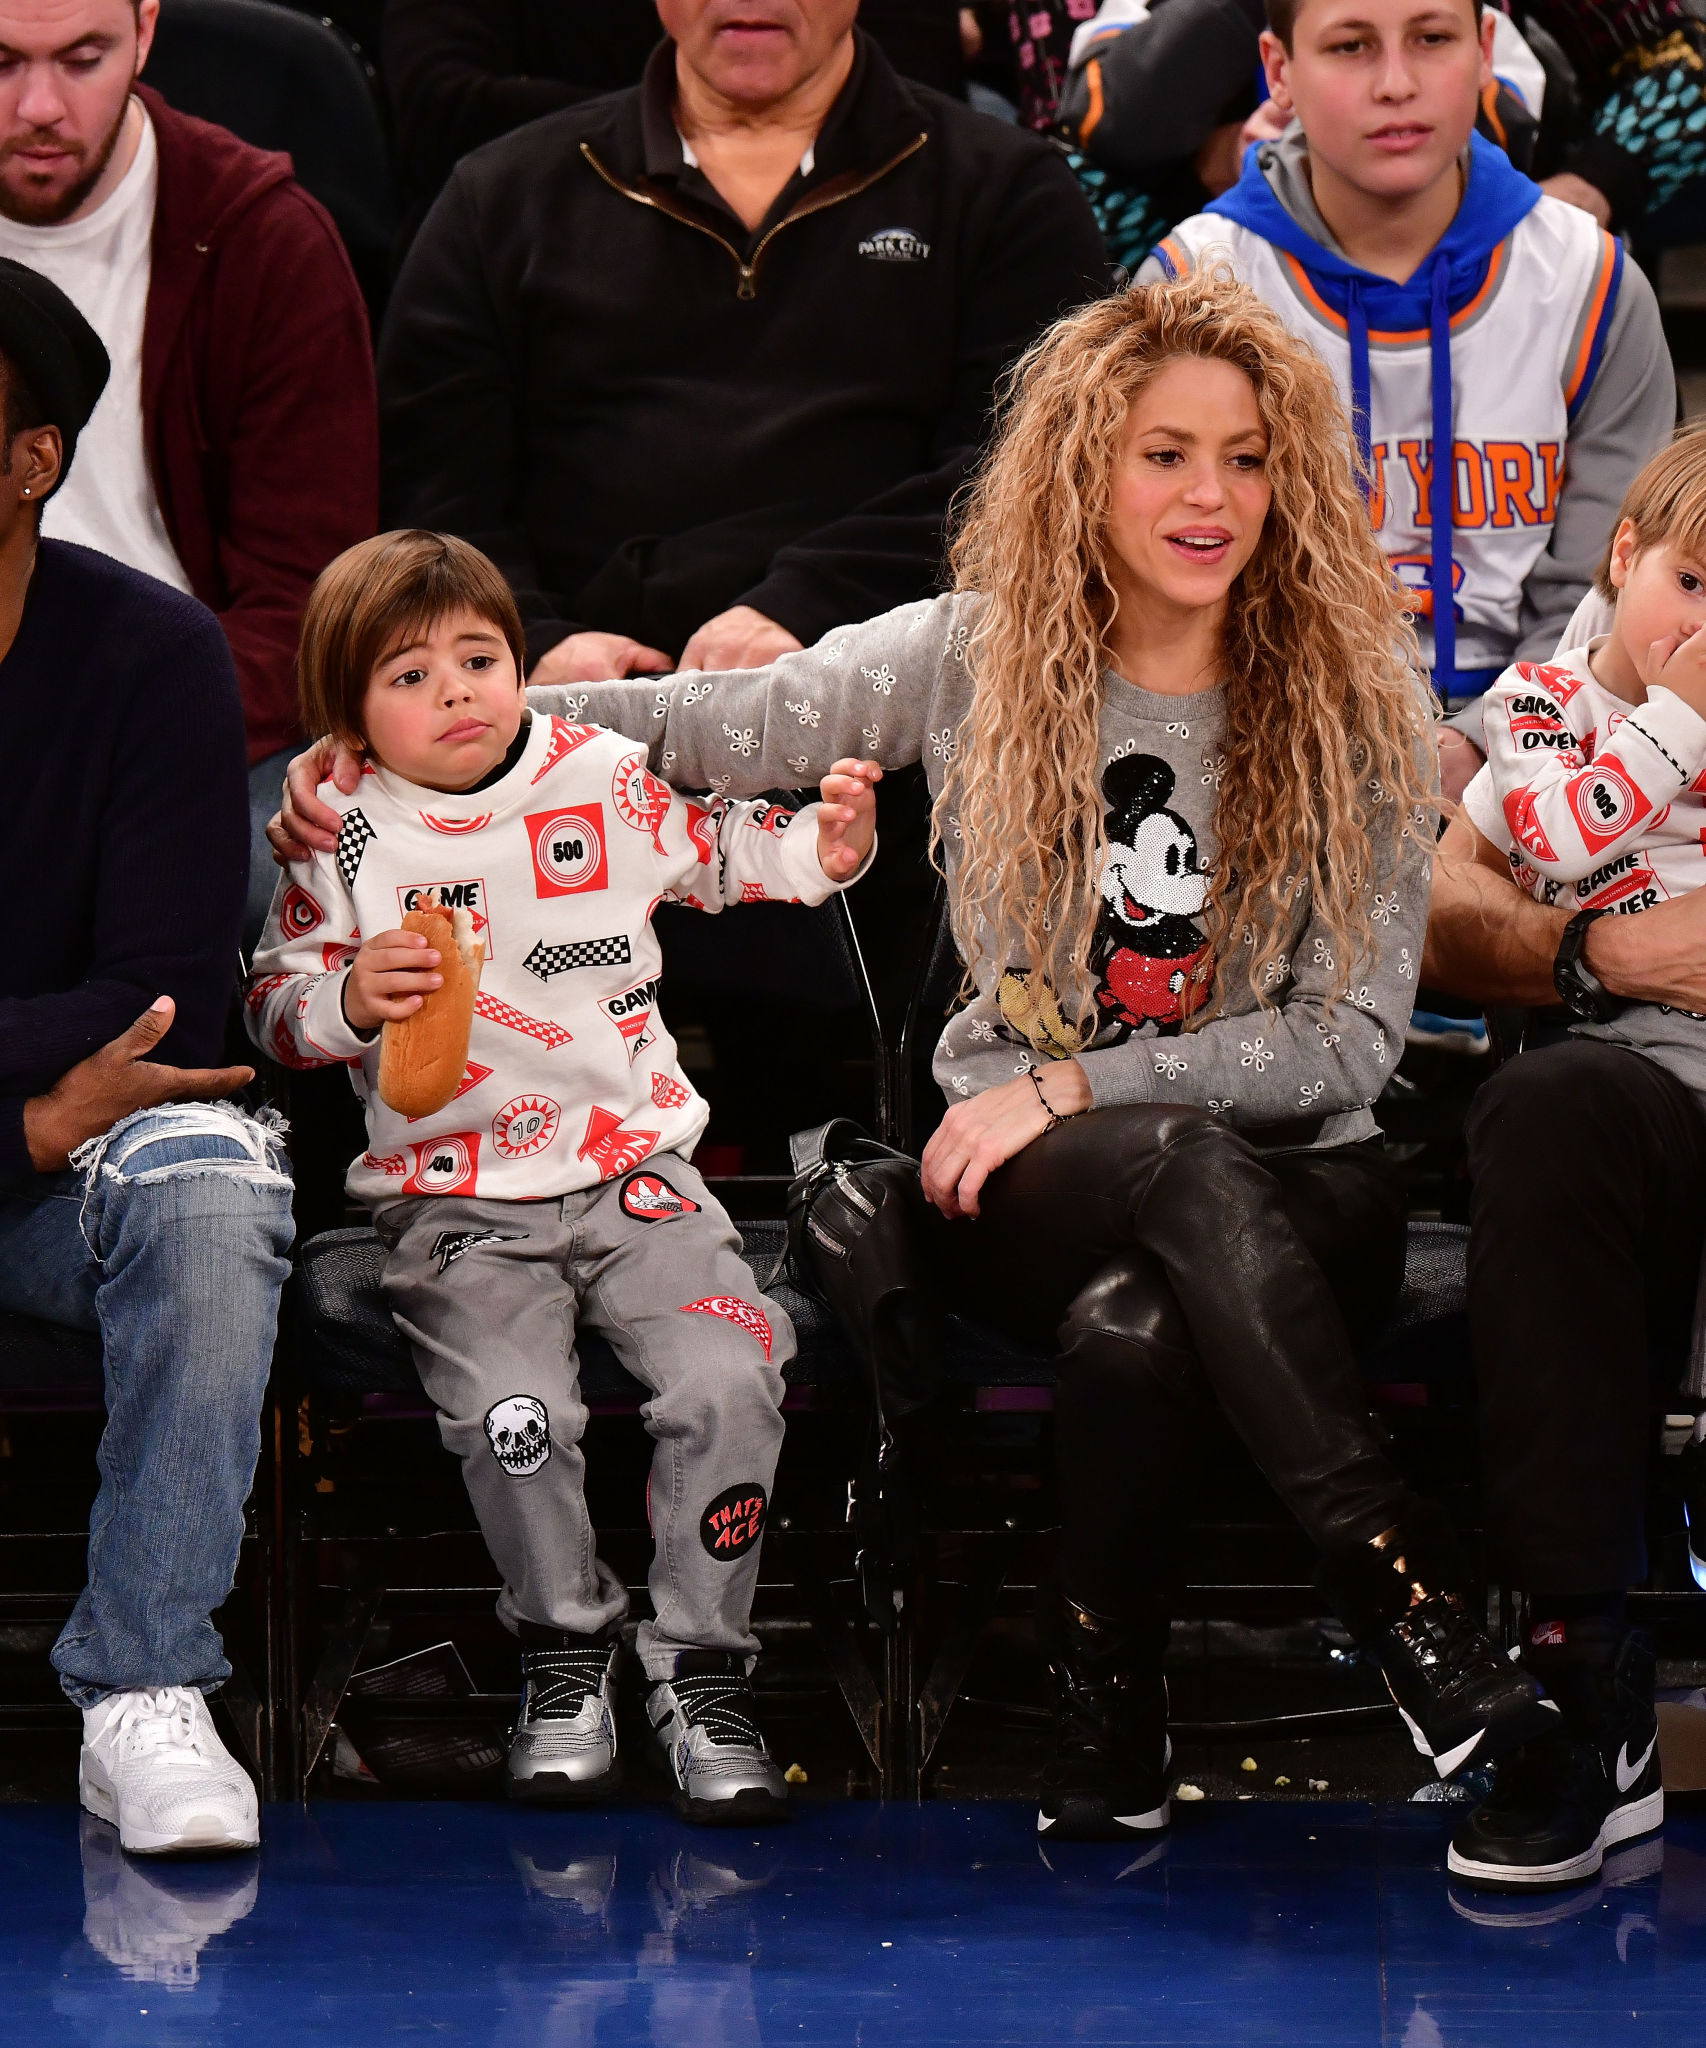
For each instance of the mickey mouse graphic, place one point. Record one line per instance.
(1148, 941)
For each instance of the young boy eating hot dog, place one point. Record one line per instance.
(553, 1189)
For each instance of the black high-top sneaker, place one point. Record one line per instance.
(1461, 1700)
(1107, 1771)
(1566, 1799)
(563, 1750)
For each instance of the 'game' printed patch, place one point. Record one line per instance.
(731, 1526)
(649, 1198)
(732, 1309)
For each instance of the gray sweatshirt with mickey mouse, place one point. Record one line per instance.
(896, 690)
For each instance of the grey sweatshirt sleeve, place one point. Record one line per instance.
(1628, 417)
(866, 691)
(1296, 1060)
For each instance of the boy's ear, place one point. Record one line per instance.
(1625, 544)
(1486, 48)
(1274, 62)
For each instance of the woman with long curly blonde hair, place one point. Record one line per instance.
(1183, 796)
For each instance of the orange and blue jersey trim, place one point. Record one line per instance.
(1602, 309)
(1387, 337)
(1175, 257)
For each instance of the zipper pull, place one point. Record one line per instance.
(748, 286)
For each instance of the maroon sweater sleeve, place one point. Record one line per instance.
(302, 453)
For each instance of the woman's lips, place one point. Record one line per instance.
(1199, 547)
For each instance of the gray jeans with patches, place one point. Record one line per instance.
(490, 1295)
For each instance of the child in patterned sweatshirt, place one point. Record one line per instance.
(1595, 785)
(554, 1190)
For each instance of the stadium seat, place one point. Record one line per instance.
(283, 80)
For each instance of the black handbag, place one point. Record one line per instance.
(858, 1238)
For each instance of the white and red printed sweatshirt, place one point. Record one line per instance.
(572, 1077)
(1597, 801)
(1601, 805)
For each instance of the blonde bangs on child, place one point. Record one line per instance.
(1322, 705)
(379, 597)
(1666, 503)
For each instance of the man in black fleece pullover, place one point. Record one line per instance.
(135, 1205)
(650, 413)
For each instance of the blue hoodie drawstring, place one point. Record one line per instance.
(1442, 495)
(1362, 403)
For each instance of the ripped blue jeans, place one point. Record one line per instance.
(169, 1237)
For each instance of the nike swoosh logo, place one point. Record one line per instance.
(1627, 1772)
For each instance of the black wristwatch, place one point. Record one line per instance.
(1581, 992)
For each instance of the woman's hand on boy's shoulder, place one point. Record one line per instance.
(303, 825)
(847, 817)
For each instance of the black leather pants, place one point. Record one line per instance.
(1177, 1271)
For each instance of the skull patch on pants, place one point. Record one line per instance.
(520, 1434)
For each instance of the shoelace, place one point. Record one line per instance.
(722, 1706)
(1448, 1634)
(558, 1681)
(158, 1720)
(1087, 1711)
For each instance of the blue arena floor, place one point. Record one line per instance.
(859, 1926)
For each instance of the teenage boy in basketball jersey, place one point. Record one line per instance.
(1453, 298)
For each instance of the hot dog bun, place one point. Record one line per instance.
(422, 1058)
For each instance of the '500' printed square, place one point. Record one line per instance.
(569, 857)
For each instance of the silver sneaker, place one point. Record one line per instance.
(563, 1750)
(704, 1721)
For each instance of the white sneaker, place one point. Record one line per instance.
(154, 1767)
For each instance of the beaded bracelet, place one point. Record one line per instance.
(1055, 1119)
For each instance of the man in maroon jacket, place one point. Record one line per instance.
(235, 450)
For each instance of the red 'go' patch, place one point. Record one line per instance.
(732, 1309)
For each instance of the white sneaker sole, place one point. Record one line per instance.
(203, 1834)
(1139, 1823)
(1622, 1824)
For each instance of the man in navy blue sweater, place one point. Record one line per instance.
(134, 1200)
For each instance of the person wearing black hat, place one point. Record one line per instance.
(136, 1202)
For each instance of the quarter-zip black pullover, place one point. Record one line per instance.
(646, 414)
